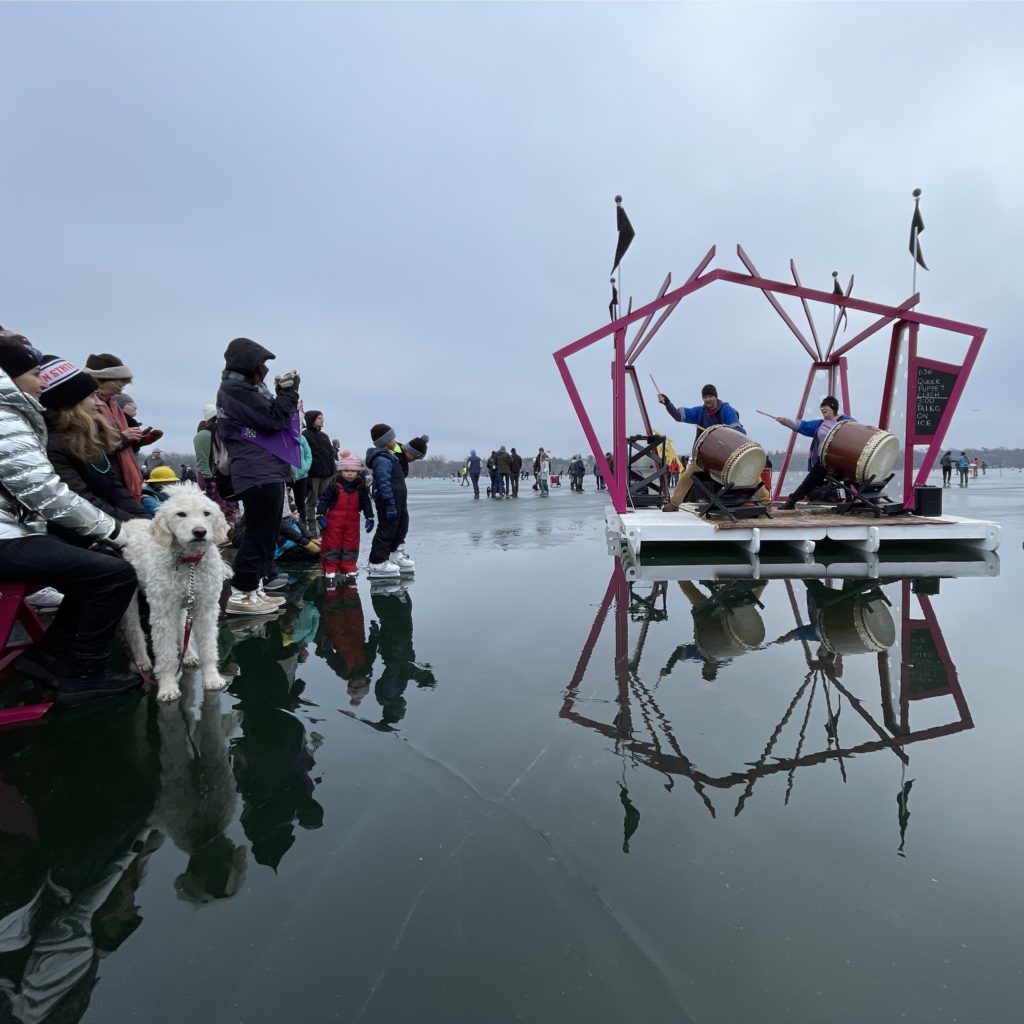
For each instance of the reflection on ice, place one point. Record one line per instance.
(831, 710)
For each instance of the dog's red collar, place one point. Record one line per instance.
(190, 559)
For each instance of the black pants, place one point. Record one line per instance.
(390, 533)
(97, 589)
(255, 558)
(300, 488)
(475, 477)
(815, 478)
(515, 485)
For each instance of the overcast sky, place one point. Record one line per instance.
(413, 204)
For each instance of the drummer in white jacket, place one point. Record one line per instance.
(97, 585)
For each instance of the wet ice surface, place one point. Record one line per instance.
(497, 837)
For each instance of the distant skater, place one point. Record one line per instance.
(963, 466)
(946, 462)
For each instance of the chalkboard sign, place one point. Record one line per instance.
(927, 672)
(934, 386)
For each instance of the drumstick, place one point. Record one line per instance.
(763, 413)
(654, 382)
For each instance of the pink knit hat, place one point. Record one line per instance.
(349, 461)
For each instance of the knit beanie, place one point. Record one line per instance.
(17, 357)
(123, 399)
(416, 448)
(64, 384)
(104, 366)
(709, 389)
(382, 435)
(349, 461)
(209, 411)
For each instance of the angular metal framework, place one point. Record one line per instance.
(826, 360)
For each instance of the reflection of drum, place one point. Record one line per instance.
(857, 626)
(858, 452)
(728, 631)
(729, 456)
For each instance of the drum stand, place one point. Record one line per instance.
(869, 496)
(732, 501)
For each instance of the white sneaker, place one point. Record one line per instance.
(248, 603)
(403, 561)
(382, 570)
(47, 597)
(270, 599)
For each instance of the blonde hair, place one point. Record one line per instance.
(85, 437)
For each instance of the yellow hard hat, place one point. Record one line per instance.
(162, 475)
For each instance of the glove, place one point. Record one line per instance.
(150, 436)
(390, 513)
(322, 520)
(368, 525)
(287, 380)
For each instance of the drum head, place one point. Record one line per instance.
(728, 632)
(883, 459)
(745, 469)
(875, 620)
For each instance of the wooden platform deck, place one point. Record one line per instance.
(801, 531)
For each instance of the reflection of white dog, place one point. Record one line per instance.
(182, 574)
(198, 800)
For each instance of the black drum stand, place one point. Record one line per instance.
(726, 500)
(868, 497)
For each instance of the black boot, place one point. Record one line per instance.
(92, 680)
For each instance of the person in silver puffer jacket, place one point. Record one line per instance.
(97, 586)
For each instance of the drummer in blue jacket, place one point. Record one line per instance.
(817, 431)
(710, 413)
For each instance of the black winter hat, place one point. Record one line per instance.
(382, 435)
(709, 389)
(416, 448)
(64, 384)
(243, 355)
(17, 356)
(311, 418)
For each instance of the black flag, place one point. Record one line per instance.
(837, 289)
(916, 227)
(626, 232)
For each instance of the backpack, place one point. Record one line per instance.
(220, 463)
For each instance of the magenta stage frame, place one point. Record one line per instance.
(828, 360)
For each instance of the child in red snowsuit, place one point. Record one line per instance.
(338, 513)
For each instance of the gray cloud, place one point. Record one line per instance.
(412, 203)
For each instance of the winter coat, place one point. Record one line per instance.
(502, 462)
(31, 493)
(102, 487)
(473, 465)
(301, 471)
(341, 504)
(324, 459)
(247, 414)
(516, 462)
(201, 445)
(809, 428)
(703, 417)
(388, 481)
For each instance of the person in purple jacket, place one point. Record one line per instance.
(817, 431)
(260, 432)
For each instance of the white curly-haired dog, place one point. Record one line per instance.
(182, 574)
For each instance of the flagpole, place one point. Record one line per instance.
(916, 254)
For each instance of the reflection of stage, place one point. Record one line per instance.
(827, 562)
(863, 618)
(798, 531)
